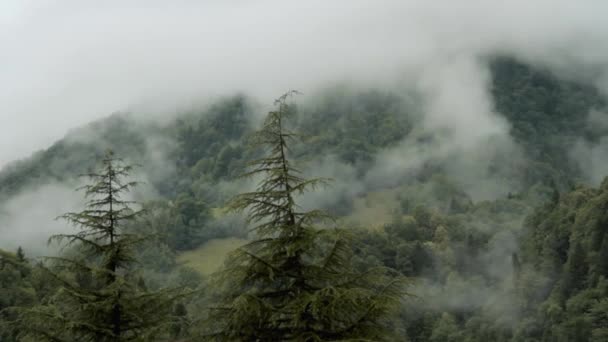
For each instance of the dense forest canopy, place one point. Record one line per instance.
(506, 240)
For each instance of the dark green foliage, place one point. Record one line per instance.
(294, 282)
(575, 271)
(602, 258)
(483, 272)
(446, 330)
(17, 288)
(558, 245)
(20, 254)
(209, 139)
(192, 215)
(547, 116)
(76, 154)
(354, 125)
(100, 299)
(179, 329)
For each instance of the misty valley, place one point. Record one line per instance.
(346, 214)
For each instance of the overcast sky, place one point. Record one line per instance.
(66, 62)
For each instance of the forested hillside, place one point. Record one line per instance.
(507, 241)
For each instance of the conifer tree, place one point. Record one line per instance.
(20, 254)
(99, 299)
(15, 289)
(294, 282)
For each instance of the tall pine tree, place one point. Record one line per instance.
(99, 297)
(294, 282)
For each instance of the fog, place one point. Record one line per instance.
(44, 204)
(64, 63)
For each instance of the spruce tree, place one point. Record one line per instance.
(20, 254)
(295, 282)
(99, 297)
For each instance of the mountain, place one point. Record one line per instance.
(505, 239)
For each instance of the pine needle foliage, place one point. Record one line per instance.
(98, 299)
(295, 281)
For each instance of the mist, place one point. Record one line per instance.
(67, 62)
(32, 228)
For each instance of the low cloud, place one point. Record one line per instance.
(66, 63)
(28, 219)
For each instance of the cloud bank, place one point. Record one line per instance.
(64, 63)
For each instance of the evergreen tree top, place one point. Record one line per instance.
(295, 282)
(98, 298)
(105, 211)
(271, 206)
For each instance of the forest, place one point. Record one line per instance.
(330, 216)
